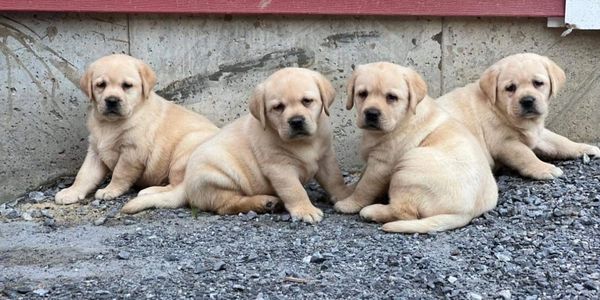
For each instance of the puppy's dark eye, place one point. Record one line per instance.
(537, 83)
(126, 85)
(101, 84)
(306, 101)
(391, 98)
(363, 94)
(511, 88)
(279, 107)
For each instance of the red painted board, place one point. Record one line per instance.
(518, 8)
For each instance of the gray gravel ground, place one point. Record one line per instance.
(542, 241)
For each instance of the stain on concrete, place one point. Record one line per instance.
(349, 37)
(437, 38)
(180, 90)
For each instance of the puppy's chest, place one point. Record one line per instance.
(111, 146)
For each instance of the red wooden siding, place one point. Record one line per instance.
(518, 8)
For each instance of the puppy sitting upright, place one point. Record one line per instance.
(261, 158)
(506, 110)
(139, 136)
(434, 171)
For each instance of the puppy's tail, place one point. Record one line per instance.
(430, 224)
(173, 198)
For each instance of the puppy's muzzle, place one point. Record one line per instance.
(528, 107)
(372, 116)
(113, 105)
(297, 126)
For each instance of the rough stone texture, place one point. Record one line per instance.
(42, 128)
(541, 242)
(210, 64)
(471, 45)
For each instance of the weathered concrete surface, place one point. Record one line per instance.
(471, 45)
(42, 129)
(211, 64)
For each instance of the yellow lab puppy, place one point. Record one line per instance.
(140, 137)
(506, 109)
(261, 158)
(435, 173)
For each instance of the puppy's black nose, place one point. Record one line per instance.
(372, 114)
(112, 102)
(296, 122)
(527, 102)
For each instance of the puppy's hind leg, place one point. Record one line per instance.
(231, 204)
(173, 198)
(154, 190)
(378, 213)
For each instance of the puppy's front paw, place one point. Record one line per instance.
(347, 206)
(68, 196)
(107, 194)
(308, 214)
(590, 150)
(544, 171)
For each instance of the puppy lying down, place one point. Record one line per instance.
(506, 109)
(264, 158)
(431, 166)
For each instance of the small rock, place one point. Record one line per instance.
(129, 221)
(250, 215)
(49, 222)
(35, 213)
(171, 257)
(532, 297)
(260, 296)
(26, 216)
(40, 292)
(475, 296)
(286, 217)
(199, 268)
(23, 289)
(124, 255)
(452, 279)
(586, 159)
(219, 266)
(39, 196)
(100, 221)
(46, 213)
(590, 285)
(95, 203)
(238, 287)
(503, 256)
(505, 294)
(113, 212)
(11, 213)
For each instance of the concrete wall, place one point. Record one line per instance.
(210, 64)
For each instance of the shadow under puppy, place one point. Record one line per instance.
(506, 108)
(137, 135)
(265, 157)
(435, 173)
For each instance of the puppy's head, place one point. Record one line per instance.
(384, 94)
(520, 86)
(291, 100)
(116, 85)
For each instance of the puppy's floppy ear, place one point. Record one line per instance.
(148, 78)
(326, 90)
(85, 83)
(488, 82)
(350, 90)
(257, 104)
(417, 89)
(556, 74)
